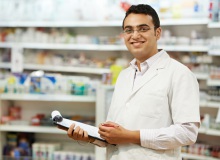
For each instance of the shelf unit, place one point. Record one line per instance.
(208, 131)
(197, 157)
(214, 25)
(116, 23)
(100, 47)
(99, 110)
(5, 65)
(35, 103)
(214, 52)
(213, 82)
(32, 129)
(200, 76)
(211, 104)
(70, 69)
(47, 97)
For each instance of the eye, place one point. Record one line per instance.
(128, 31)
(144, 29)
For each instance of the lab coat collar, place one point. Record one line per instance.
(160, 63)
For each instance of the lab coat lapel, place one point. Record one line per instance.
(131, 80)
(152, 71)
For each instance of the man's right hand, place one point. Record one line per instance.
(77, 134)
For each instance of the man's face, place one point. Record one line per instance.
(140, 36)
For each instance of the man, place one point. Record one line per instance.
(155, 105)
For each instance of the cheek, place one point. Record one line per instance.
(126, 39)
(127, 43)
(151, 39)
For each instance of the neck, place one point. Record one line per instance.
(138, 63)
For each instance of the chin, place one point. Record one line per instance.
(137, 51)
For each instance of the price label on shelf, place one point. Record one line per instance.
(17, 60)
(218, 116)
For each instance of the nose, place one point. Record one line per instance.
(135, 34)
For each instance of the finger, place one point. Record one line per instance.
(70, 130)
(76, 132)
(102, 133)
(104, 128)
(86, 134)
(90, 139)
(110, 124)
(103, 137)
(80, 133)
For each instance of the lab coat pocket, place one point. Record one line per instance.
(151, 105)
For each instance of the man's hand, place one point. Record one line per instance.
(113, 133)
(77, 134)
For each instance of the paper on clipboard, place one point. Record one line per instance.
(91, 130)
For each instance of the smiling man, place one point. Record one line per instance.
(155, 105)
(141, 34)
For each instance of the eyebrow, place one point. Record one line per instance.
(140, 25)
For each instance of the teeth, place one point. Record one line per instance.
(136, 42)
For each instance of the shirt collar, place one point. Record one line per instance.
(148, 62)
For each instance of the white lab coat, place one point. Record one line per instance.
(168, 93)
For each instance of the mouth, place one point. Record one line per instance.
(137, 44)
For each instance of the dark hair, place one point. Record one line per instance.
(143, 9)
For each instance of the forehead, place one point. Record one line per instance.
(137, 19)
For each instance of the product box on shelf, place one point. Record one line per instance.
(18, 145)
(44, 151)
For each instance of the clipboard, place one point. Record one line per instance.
(66, 123)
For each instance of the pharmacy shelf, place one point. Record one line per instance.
(5, 65)
(208, 131)
(213, 82)
(197, 157)
(213, 132)
(201, 76)
(116, 23)
(186, 48)
(110, 23)
(96, 47)
(100, 47)
(214, 25)
(47, 97)
(33, 129)
(214, 52)
(202, 130)
(6, 45)
(54, 46)
(70, 69)
(213, 104)
(190, 21)
(210, 104)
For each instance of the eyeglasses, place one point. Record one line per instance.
(140, 30)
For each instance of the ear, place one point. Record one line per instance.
(158, 33)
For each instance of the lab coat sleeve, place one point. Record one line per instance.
(184, 96)
(169, 137)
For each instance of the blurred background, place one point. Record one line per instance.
(66, 55)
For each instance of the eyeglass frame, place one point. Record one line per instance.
(138, 30)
